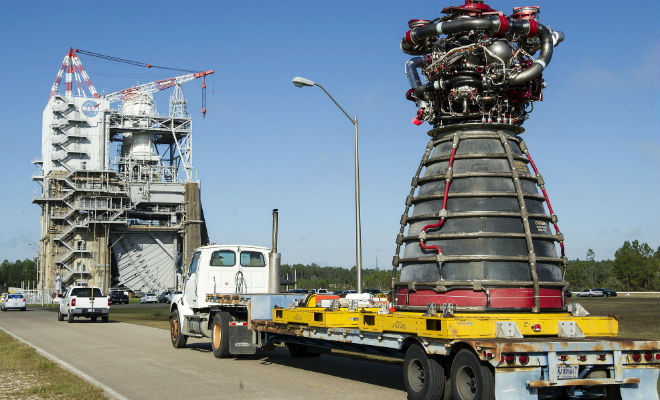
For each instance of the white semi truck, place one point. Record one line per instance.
(231, 297)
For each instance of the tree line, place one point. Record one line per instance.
(313, 276)
(635, 268)
(13, 273)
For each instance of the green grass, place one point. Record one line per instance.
(639, 318)
(155, 317)
(26, 374)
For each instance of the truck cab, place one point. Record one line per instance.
(226, 270)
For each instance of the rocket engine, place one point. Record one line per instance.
(479, 237)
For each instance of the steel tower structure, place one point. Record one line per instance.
(115, 220)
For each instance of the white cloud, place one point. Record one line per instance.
(642, 72)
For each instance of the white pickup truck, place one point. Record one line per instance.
(82, 301)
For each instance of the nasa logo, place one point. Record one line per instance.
(90, 108)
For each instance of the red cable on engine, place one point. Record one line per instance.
(444, 204)
(547, 200)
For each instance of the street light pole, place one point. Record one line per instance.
(302, 82)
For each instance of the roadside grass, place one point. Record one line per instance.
(26, 374)
(155, 317)
(639, 318)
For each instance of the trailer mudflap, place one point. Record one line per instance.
(240, 339)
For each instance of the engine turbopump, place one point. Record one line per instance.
(483, 69)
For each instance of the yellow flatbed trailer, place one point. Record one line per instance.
(488, 355)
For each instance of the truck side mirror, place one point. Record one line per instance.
(178, 262)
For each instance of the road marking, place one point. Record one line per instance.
(69, 367)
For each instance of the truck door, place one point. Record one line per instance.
(190, 290)
(224, 276)
(255, 272)
(64, 303)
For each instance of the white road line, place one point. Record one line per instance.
(70, 367)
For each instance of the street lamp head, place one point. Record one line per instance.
(300, 82)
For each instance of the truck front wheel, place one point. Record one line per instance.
(470, 378)
(178, 339)
(423, 376)
(220, 335)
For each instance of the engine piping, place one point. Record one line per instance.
(411, 71)
(498, 25)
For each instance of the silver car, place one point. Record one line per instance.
(149, 298)
(14, 301)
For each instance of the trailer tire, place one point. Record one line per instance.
(178, 339)
(220, 335)
(423, 376)
(301, 350)
(60, 317)
(612, 392)
(470, 378)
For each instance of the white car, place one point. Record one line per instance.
(14, 301)
(590, 293)
(149, 298)
(170, 295)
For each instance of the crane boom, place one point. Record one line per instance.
(155, 86)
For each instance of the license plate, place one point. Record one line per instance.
(567, 371)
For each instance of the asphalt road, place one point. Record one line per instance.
(138, 362)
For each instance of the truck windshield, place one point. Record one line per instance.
(223, 258)
(252, 259)
(86, 292)
(193, 263)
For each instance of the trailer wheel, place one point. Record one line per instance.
(300, 350)
(423, 376)
(220, 335)
(60, 317)
(470, 378)
(178, 339)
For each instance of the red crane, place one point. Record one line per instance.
(74, 69)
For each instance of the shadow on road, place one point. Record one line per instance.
(201, 347)
(371, 372)
(382, 374)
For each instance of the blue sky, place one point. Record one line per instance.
(266, 144)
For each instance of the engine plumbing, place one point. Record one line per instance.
(483, 69)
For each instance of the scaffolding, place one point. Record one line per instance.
(114, 221)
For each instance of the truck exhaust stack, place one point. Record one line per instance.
(274, 259)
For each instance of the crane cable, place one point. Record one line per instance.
(131, 62)
(146, 65)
